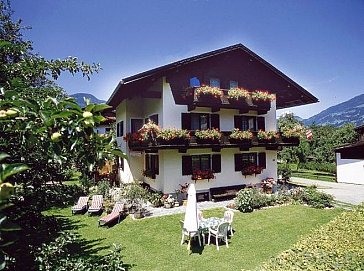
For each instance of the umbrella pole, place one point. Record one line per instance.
(189, 244)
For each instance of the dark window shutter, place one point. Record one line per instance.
(262, 159)
(186, 121)
(261, 123)
(216, 163)
(118, 129)
(215, 121)
(237, 122)
(155, 163)
(238, 162)
(186, 165)
(147, 164)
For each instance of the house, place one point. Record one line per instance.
(350, 160)
(106, 126)
(173, 96)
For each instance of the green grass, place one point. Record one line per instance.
(154, 243)
(314, 175)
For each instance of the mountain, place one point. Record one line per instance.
(80, 99)
(350, 111)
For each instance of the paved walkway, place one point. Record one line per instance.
(182, 209)
(344, 192)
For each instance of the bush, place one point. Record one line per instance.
(337, 245)
(311, 196)
(57, 255)
(103, 188)
(325, 167)
(244, 200)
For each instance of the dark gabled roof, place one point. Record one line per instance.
(162, 69)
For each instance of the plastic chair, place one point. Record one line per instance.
(220, 233)
(228, 217)
(189, 235)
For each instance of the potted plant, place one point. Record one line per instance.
(202, 174)
(208, 94)
(238, 96)
(267, 136)
(240, 137)
(262, 98)
(267, 185)
(292, 134)
(173, 136)
(168, 201)
(251, 169)
(209, 136)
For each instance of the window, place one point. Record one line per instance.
(154, 118)
(119, 129)
(252, 123)
(201, 162)
(214, 82)
(135, 125)
(243, 160)
(234, 84)
(194, 82)
(152, 163)
(200, 121)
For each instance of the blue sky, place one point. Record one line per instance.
(319, 44)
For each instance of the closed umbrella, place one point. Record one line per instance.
(191, 223)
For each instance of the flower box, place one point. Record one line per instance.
(241, 102)
(209, 99)
(207, 141)
(292, 140)
(173, 141)
(240, 141)
(251, 169)
(202, 175)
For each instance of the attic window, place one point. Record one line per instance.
(215, 82)
(194, 82)
(234, 84)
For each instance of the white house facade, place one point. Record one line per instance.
(350, 161)
(167, 96)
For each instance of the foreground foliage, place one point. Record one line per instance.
(335, 246)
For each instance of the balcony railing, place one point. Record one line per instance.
(216, 103)
(224, 142)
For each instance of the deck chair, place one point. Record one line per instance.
(96, 204)
(115, 214)
(228, 217)
(189, 235)
(220, 233)
(81, 205)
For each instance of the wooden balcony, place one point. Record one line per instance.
(243, 105)
(194, 143)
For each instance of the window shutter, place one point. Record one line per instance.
(147, 165)
(238, 162)
(237, 122)
(155, 162)
(216, 163)
(118, 129)
(186, 165)
(186, 121)
(215, 121)
(261, 123)
(262, 160)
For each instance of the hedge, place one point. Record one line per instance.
(338, 245)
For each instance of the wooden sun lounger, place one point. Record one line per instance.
(115, 214)
(81, 205)
(96, 204)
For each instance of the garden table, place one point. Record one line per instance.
(206, 223)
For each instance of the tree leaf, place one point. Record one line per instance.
(100, 107)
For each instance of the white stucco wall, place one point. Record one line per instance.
(349, 170)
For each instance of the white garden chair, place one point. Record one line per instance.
(228, 217)
(219, 233)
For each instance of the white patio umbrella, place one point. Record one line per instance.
(191, 223)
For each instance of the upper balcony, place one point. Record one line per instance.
(153, 144)
(216, 98)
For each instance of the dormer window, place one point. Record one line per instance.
(194, 82)
(215, 82)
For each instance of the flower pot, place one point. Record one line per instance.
(207, 141)
(240, 141)
(167, 205)
(138, 215)
(184, 202)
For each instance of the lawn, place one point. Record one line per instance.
(154, 243)
(314, 175)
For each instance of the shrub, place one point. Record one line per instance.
(317, 199)
(337, 245)
(103, 188)
(57, 255)
(244, 200)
